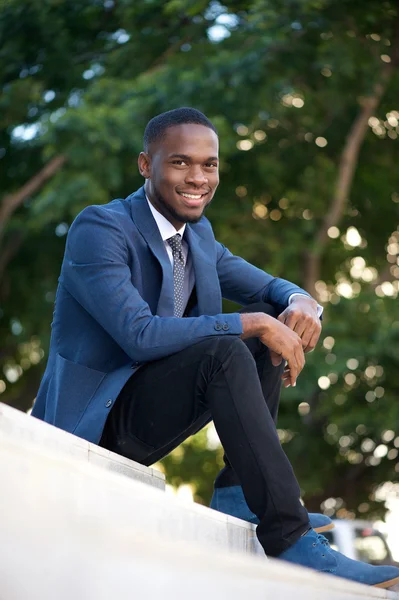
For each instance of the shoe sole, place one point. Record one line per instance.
(387, 584)
(324, 528)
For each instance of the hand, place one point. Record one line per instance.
(301, 317)
(283, 343)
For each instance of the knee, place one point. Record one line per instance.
(223, 346)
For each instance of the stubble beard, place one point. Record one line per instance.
(174, 213)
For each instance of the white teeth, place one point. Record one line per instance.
(191, 196)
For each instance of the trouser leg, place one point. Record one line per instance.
(270, 380)
(168, 400)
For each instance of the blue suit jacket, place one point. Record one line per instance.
(114, 308)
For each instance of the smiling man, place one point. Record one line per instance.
(142, 357)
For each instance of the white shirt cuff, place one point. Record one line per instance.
(319, 308)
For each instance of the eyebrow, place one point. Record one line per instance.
(186, 157)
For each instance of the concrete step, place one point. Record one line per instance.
(72, 529)
(204, 523)
(24, 427)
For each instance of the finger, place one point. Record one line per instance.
(300, 327)
(286, 378)
(292, 362)
(313, 341)
(282, 317)
(293, 376)
(275, 358)
(308, 335)
(310, 345)
(300, 358)
(292, 319)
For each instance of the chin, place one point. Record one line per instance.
(193, 216)
(193, 219)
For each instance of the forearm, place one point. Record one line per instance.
(245, 284)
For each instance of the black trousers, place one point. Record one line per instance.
(234, 383)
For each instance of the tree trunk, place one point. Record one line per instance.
(347, 168)
(13, 201)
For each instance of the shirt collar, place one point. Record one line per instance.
(166, 228)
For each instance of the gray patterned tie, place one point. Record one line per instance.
(178, 273)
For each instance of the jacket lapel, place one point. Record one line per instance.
(206, 278)
(147, 226)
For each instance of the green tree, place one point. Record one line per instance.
(304, 95)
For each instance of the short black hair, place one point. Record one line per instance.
(157, 127)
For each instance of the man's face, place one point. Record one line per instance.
(182, 172)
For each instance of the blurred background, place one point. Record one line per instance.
(305, 95)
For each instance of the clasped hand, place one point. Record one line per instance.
(295, 332)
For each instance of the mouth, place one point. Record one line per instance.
(193, 200)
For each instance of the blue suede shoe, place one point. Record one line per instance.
(231, 501)
(313, 551)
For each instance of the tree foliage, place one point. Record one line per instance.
(304, 95)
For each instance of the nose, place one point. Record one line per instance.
(196, 176)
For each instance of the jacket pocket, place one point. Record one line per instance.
(71, 388)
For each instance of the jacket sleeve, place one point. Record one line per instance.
(96, 273)
(243, 283)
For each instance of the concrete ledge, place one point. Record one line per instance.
(124, 499)
(26, 428)
(199, 523)
(70, 529)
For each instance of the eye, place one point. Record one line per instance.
(179, 162)
(211, 165)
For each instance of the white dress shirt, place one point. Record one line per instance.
(167, 231)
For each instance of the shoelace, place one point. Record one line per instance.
(323, 540)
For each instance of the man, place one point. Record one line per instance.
(141, 356)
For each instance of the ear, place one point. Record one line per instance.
(144, 162)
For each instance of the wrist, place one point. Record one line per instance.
(301, 298)
(254, 324)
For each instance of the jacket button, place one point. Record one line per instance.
(226, 327)
(218, 327)
(108, 403)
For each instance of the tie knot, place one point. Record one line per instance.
(175, 243)
(177, 248)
